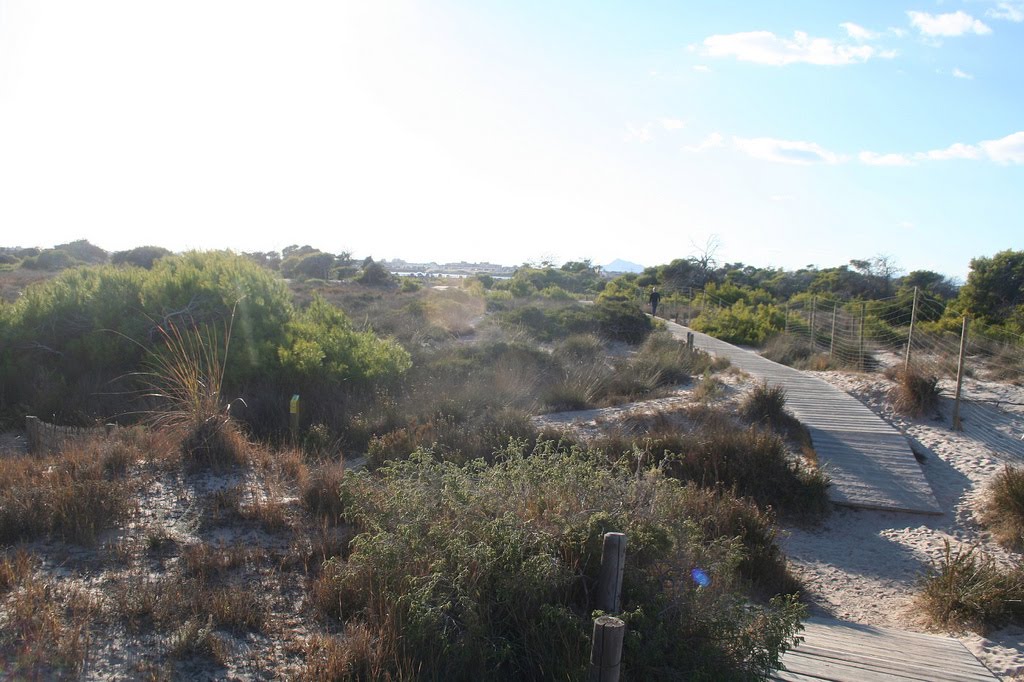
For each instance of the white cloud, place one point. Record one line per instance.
(781, 198)
(703, 68)
(672, 124)
(713, 140)
(873, 159)
(957, 73)
(1007, 11)
(947, 25)
(638, 133)
(764, 47)
(785, 151)
(958, 150)
(858, 32)
(1009, 149)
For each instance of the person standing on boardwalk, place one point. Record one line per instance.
(655, 297)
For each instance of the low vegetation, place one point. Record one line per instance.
(1002, 510)
(487, 571)
(968, 589)
(916, 393)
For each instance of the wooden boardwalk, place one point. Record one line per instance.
(848, 652)
(870, 463)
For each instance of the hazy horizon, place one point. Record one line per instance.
(805, 134)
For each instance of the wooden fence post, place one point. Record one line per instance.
(606, 649)
(609, 582)
(863, 313)
(832, 342)
(957, 426)
(293, 413)
(910, 334)
(814, 308)
(32, 433)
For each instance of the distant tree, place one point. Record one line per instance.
(51, 260)
(140, 256)
(578, 265)
(84, 252)
(314, 266)
(268, 259)
(994, 290)
(934, 283)
(374, 274)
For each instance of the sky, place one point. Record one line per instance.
(786, 133)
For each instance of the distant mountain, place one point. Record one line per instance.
(619, 265)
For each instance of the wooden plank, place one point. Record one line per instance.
(840, 652)
(869, 463)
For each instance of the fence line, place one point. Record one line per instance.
(44, 437)
(872, 335)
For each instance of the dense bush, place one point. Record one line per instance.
(709, 448)
(321, 343)
(611, 319)
(741, 323)
(67, 339)
(486, 572)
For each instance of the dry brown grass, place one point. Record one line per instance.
(45, 629)
(1003, 507)
(73, 494)
(916, 392)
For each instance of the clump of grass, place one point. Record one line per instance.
(186, 375)
(487, 571)
(766, 405)
(968, 589)
(198, 638)
(15, 569)
(356, 654)
(916, 393)
(321, 493)
(1003, 507)
(709, 388)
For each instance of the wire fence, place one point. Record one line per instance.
(908, 330)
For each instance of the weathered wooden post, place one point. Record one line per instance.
(863, 312)
(786, 330)
(609, 582)
(293, 413)
(910, 334)
(689, 341)
(957, 426)
(814, 307)
(606, 649)
(832, 342)
(32, 433)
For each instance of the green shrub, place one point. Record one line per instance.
(741, 323)
(321, 344)
(486, 571)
